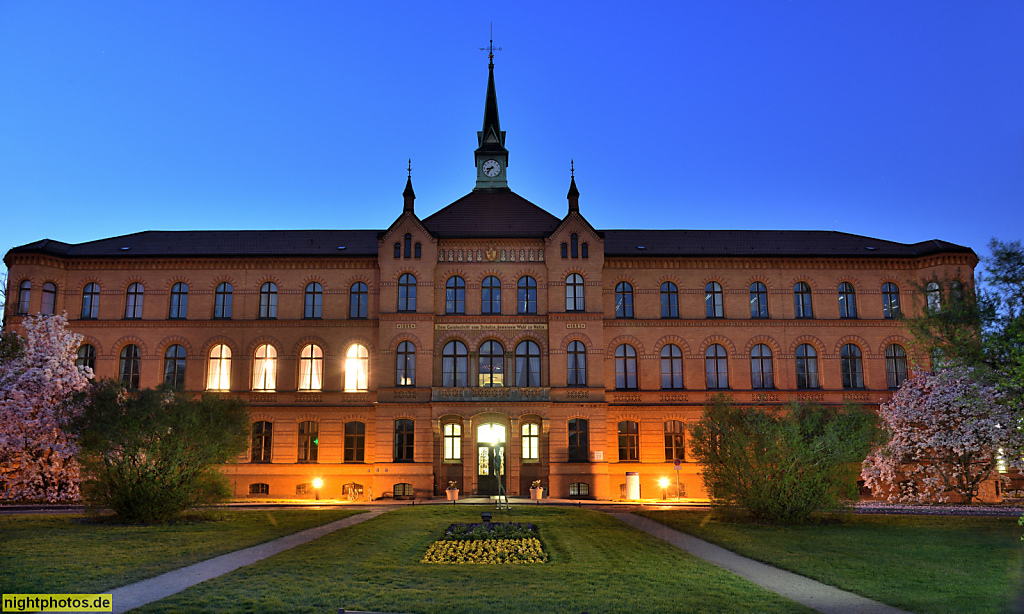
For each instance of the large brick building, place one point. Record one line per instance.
(402, 359)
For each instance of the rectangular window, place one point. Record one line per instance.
(404, 441)
(309, 442)
(355, 442)
(579, 445)
(629, 441)
(531, 442)
(452, 442)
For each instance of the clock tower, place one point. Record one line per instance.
(491, 155)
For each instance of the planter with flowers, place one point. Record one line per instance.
(452, 491)
(536, 490)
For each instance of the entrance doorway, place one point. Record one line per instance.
(490, 458)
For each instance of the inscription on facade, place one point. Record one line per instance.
(494, 327)
(405, 326)
(576, 325)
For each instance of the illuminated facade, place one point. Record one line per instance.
(403, 359)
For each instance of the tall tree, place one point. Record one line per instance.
(38, 383)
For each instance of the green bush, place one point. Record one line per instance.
(150, 455)
(783, 464)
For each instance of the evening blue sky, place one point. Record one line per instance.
(897, 120)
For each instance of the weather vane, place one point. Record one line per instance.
(490, 49)
(572, 168)
(410, 168)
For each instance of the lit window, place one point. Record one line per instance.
(716, 367)
(174, 366)
(452, 442)
(133, 302)
(851, 366)
(24, 294)
(574, 293)
(623, 300)
(454, 365)
(675, 441)
(222, 301)
(314, 301)
(405, 364)
(531, 441)
(629, 441)
(128, 370)
(91, 301)
(806, 367)
(891, 300)
(179, 302)
(357, 369)
(578, 449)
(355, 442)
(895, 365)
(49, 299)
(671, 367)
(407, 292)
(311, 368)
(625, 368)
(761, 367)
(847, 301)
(713, 305)
(490, 296)
(669, 300)
(218, 376)
(492, 364)
(86, 357)
(802, 300)
(404, 440)
(309, 442)
(758, 300)
(268, 301)
(576, 364)
(264, 372)
(357, 300)
(527, 303)
(262, 441)
(455, 295)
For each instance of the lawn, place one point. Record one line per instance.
(928, 564)
(72, 554)
(597, 564)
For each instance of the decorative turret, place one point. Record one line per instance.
(409, 195)
(491, 156)
(574, 194)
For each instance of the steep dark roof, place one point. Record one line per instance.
(498, 214)
(763, 243)
(218, 243)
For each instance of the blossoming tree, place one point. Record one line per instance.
(947, 434)
(37, 385)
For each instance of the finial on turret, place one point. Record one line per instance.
(574, 194)
(409, 195)
(490, 49)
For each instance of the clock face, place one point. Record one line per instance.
(491, 168)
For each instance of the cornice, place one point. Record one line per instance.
(769, 262)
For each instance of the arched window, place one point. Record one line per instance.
(128, 372)
(851, 366)
(625, 367)
(86, 357)
(133, 302)
(404, 440)
(758, 300)
(623, 300)
(358, 298)
(531, 441)
(174, 366)
(895, 366)
(527, 300)
(891, 300)
(761, 367)
(931, 291)
(629, 441)
(218, 375)
(91, 301)
(405, 364)
(24, 295)
(407, 292)
(452, 442)
(802, 300)
(490, 295)
(357, 369)
(268, 301)
(716, 367)
(578, 449)
(222, 301)
(309, 441)
(179, 302)
(492, 364)
(49, 299)
(574, 293)
(669, 300)
(264, 368)
(311, 368)
(454, 365)
(455, 295)
(847, 301)
(675, 441)
(528, 364)
(806, 367)
(355, 442)
(314, 301)
(671, 367)
(713, 303)
(576, 364)
(262, 441)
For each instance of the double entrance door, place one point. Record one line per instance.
(490, 459)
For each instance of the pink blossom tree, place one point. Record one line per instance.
(949, 433)
(37, 387)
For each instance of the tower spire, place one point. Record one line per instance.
(574, 194)
(491, 156)
(408, 194)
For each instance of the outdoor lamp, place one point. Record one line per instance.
(663, 482)
(317, 483)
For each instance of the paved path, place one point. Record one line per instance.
(813, 594)
(153, 589)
